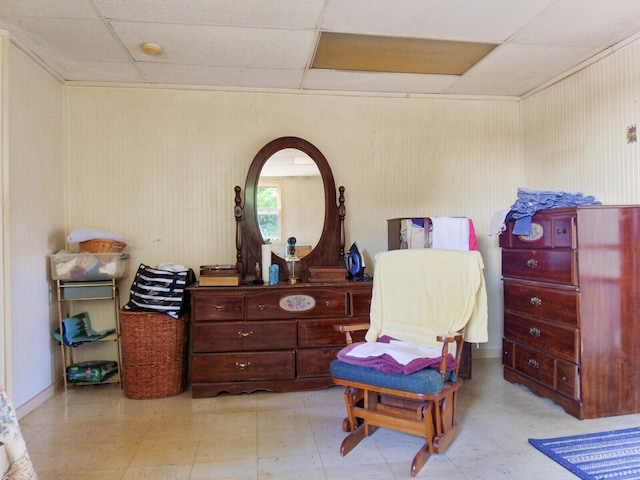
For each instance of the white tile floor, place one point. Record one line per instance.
(94, 433)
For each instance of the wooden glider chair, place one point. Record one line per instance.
(404, 377)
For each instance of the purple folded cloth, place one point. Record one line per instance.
(388, 364)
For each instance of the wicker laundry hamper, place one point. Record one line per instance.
(154, 354)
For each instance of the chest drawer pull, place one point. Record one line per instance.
(243, 365)
(261, 306)
(218, 308)
(534, 332)
(532, 263)
(244, 333)
(532, 363)
(535, 301)
(561, 231)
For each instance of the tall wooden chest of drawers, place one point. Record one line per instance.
(279, 338)
(572, 308)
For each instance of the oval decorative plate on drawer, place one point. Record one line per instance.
(297, 303)
(537, 232)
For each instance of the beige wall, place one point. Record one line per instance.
(574, 134)
(34, 218)
(159, 165)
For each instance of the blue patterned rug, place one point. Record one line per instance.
(607, 455)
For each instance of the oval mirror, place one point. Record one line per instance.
(308, 208)
(289, 188)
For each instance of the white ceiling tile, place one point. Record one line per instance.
(47, 8)
(67, 39)
(500, 86)
(226, 46)
(590, 23)
(493, 21)
(106, 71)
(377, 82)
(527, 61)
(272, 13)
(221, 76)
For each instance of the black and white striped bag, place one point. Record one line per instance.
(155, 290)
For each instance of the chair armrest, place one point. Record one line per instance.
(445, 351)
(347, 329)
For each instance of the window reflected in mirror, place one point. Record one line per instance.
(290, 201)
(268, 206)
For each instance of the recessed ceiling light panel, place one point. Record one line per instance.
(371, 53)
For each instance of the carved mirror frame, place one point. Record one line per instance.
(328, 251)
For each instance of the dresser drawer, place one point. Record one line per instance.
(567, 378)
(360, 302)
(239, 367)
(508, 353)
(243, 336)
(315, 362)
(555, 339)
(548, 230)
(552, 372)
(535, 300)
(321, 333)
(297, 303)
(556, 266)
(534, 364)
(205, 308)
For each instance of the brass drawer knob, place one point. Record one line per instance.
(243, 365)
(535, 301)
(261, 306)
(533, 364)
(244, 333)
(218, 308)
(534, 332)
(532, 263)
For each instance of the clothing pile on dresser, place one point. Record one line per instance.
(531, 201)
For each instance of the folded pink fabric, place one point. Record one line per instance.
(387, 363)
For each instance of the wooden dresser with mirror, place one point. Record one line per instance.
(277, 337)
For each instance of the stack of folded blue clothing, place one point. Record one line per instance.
(531, 201)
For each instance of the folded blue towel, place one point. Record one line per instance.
(530, 201)
(77, 330)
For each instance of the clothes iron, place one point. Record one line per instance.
(354, 263)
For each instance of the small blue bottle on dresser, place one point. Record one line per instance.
(274, 272)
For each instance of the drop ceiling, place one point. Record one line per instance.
(272, 44)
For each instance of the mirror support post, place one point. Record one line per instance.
(237, 212)
(341, 213)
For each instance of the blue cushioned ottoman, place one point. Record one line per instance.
(426, 381)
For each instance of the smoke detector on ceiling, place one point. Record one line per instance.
(152, 49)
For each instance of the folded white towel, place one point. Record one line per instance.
(451, 233)
(401, 352)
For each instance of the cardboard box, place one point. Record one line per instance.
(229, 280)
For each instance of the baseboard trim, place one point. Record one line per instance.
(485, 352)
(35, 402)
